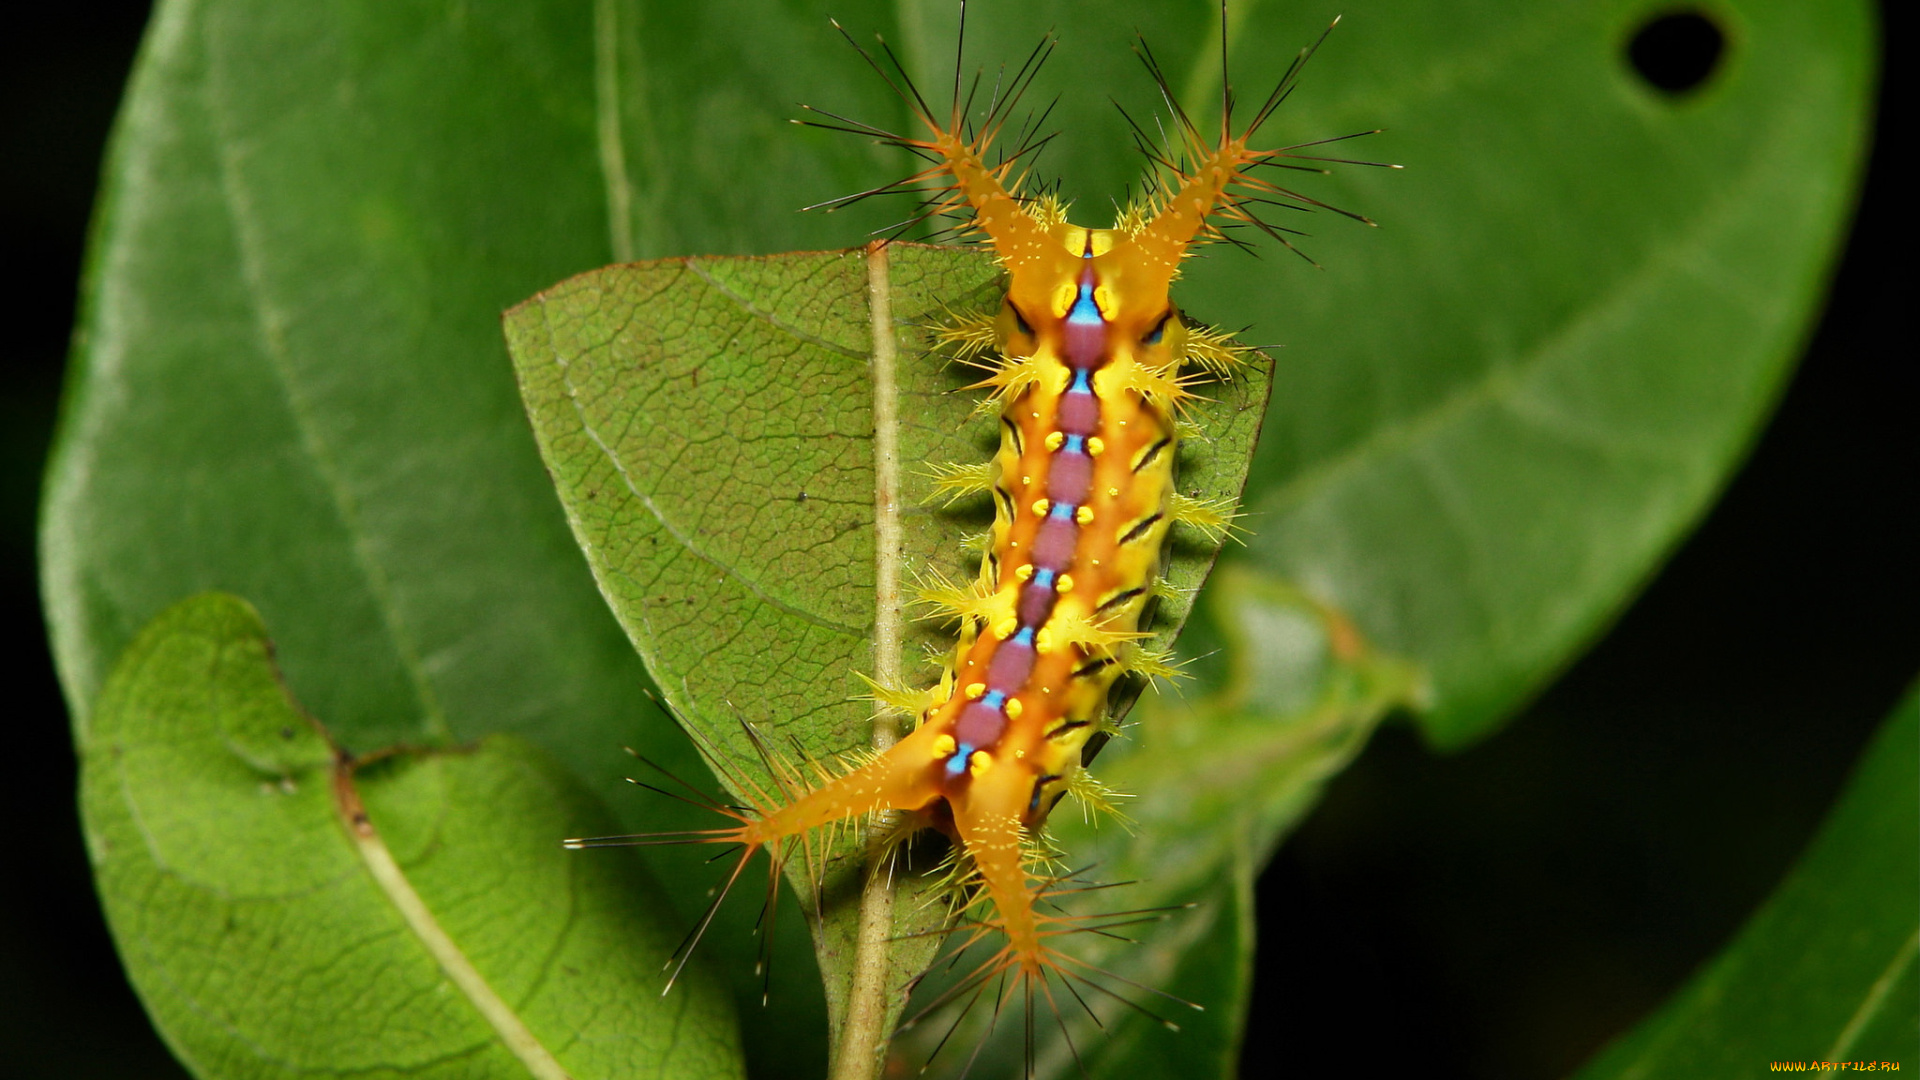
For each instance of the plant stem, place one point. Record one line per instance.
(864, 1029)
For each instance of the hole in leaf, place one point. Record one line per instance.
(1677, 51)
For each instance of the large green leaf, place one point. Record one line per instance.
(1829, 969)
(291, 383)
(1494, 414)
(287, 912)
(1586, 296)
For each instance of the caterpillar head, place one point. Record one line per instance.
(1065, 281)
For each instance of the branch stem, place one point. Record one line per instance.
(865, 1028)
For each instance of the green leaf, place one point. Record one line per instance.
(1585, 298)
(290, 382)
(723, 433)
(1829, 968)
(287, 912)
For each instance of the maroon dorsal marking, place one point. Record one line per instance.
(1011, 664)
(1070, 477)
(1053, 545)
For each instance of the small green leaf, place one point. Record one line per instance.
(1829, 968)
(284, 913)
(713, 428)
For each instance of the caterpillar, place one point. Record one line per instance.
(1089, 364)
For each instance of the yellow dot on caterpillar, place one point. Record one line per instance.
(974, 690)
(1014, 708)
(1005, 627)
(1043, 641)
(1113, 493)
(1095, 445)
(1018, 754)
(1040, 507)
(1055, 439)
(1083, 515)
(1025, 573)
(943, 747)
(1063, 298)
(1065, 584)
(980, 762)
(1026, 480)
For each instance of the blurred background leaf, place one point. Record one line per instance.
(461, 670)
(271, 938)
(1829, 969)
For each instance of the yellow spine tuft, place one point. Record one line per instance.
(954, 482)
(1134, 217)
(1214, 351)
(1048, 210)
(1167, 590)
(1152, 663)
(1097, 799)
(969, 334)
(972, 601)
(1212, 517)
(911, 702)
(1011, 378)
(1074, 629)
(1159, 386)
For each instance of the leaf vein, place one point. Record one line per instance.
(680, 537)
(392, 881)
(1903, 958)
(694, 264)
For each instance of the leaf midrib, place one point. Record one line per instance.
(393, 884)
(607, 129)
(1875, 997)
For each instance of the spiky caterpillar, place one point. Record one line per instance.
(1085, 362)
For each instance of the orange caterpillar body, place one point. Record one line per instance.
(1088, 376)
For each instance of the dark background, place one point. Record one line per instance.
(1499, 913)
